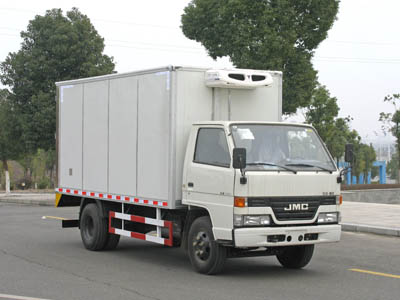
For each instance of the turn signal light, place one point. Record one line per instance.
(240, 202)
(339, 199)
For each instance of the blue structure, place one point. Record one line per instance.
(348, 177)
(361, 180)
(382, 170)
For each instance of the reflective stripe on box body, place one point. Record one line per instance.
(114, 197)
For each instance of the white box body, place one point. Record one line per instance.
(126, 134)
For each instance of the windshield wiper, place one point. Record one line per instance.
(310, 165)
(261, 163)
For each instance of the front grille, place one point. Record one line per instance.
(278, 206)
(293, 206)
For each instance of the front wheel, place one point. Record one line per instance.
(296, 257)
(206, 255)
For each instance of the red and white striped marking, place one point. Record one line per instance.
(121, 198)
(141, 236)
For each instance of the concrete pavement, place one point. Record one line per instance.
(384, 196)
(375, 218)
(383, 219)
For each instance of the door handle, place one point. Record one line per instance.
(190, 184)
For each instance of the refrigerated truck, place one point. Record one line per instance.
(197, 158)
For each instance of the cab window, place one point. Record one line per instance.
(212, 147)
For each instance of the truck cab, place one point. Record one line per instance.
(285, 193)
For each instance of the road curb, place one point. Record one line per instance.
(371, 229)
(28, 201)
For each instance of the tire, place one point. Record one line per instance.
(296, 257)
(112, 241)
(94, 231)
(206, 256)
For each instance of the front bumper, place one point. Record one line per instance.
(262, 237)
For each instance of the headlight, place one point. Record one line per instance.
(251, 220)
(331, 217)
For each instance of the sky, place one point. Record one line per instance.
(359, 62)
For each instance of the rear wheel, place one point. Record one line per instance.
(205, 254)
(296, 257)
(112, 241)
(93, 228)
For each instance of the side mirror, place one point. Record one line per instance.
(349, 153)
(239, 162)
(239, 158)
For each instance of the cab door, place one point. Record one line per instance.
(209, 180)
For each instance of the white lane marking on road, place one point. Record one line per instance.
(4, 296)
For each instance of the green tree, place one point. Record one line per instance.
(322, 114)
(393, 167)
(367, 156)
(26, 161)
(10, 132)
(340, 136)
(42, 165)
(336, 133)
(364, 156)
(54, 48)
(265, 34)
(391, 123)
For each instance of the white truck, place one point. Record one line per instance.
(195, 158)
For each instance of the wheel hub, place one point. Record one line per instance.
(201, 245)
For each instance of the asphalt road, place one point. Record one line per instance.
(39, 259)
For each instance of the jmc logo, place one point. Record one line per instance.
(296, 206)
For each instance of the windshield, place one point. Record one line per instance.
(281, 147)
